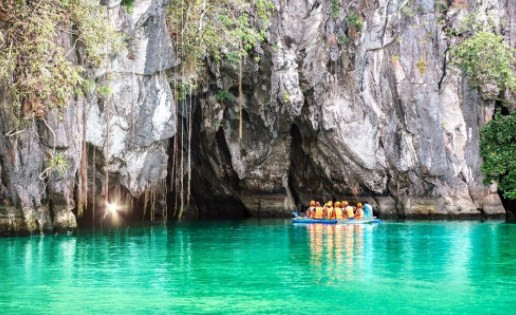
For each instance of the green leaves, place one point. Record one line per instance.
(222, 30)
(128, 5)
(58, 163)
(498, 149)
(335, 8)
(355, 21)
(223, 95)
(35, 59)
(486, 59)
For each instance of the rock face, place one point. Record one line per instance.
(141, 114)
(375, 114)
(332, 110)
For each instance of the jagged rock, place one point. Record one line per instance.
(142, 119)
(388, 120)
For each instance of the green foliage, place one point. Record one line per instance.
(104, 90)
(343, 39)
(335, 8)
(486, 58)
(185, 88)
(421, 66)
(58, 163)
(498, 149)
(33, 60)
(264, 9)
(128, 5)
(441, 6)
(408, 11)
(286, 97)
(222, 30)
(355, 21)
(470, 22)
(224, 95)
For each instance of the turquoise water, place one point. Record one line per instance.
(264, 267)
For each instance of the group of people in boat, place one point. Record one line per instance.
(339, 210)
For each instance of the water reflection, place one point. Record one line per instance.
(340, 251)
(272, 266)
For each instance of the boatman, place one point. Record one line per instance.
(368, 210)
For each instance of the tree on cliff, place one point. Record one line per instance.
(498, 149)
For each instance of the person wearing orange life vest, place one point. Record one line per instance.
(343, 205)
(311, 210)
(328, 210)
(318, 213)
(337, 212)
(349, 211)
(359, 212)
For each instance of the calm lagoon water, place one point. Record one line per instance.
(266, 266)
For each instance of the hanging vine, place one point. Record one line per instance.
(224, 31)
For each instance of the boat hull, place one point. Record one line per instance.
(312, 221)
(373, 220)
(299, 220)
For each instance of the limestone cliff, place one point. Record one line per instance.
(377, 114)
(141, 116)
(330, 110)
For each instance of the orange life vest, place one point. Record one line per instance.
(360, 213)
(337, 213)
(349, 212)
(318, 213)
(329, 212)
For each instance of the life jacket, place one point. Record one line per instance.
(318, 213)
(349, 212)
(360, 213)
(329, 212)
(338, 213)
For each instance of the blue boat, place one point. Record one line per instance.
(372, 220)
(304, 220)
(300, 220)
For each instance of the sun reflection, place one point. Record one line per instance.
(115, 211)
(112, 207)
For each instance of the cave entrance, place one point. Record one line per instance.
(214, 186)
